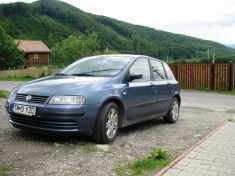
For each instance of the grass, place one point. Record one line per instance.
(231, 120)
(203, 136)
(4, 169)
(18, 78)
(142, 166)
(4, 94)
(220, 92)
(226, 92)
(184, 138)
(22, 78)
(90, 149)
(109, 151)
(45, 152)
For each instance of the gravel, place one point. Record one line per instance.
(27, 153)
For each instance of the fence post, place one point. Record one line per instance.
(176, 72)
(213, 76)
(230, 76)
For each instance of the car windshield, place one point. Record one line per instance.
(97, 66)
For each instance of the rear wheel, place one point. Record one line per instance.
(107, 124)
(173, 112)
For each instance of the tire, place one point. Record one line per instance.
(173, 112)
(106, 128)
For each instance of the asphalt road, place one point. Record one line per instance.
(190, 98)
(208, 100)
(9, 85)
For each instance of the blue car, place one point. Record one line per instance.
(95, 96)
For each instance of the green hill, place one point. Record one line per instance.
(53, 21)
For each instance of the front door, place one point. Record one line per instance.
(141, 92)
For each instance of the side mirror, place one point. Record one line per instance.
(136, 76)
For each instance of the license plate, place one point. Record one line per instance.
(22, 109)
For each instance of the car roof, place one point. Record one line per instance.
(128, 55)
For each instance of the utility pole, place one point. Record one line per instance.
(213, 57)
(107, 48)
(208, 53)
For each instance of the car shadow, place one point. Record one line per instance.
(144, 126)
(82, 140)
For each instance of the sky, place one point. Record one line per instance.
(206, 19)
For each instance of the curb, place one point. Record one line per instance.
(189, 150)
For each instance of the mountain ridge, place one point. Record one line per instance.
(53, 21)
(230, 45)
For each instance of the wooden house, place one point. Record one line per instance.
(37, 53)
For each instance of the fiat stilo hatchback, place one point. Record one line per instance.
(95, 96)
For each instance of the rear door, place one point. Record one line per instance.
(163, 87)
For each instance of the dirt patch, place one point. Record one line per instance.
(26, 153)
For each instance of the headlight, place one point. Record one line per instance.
(67, 100)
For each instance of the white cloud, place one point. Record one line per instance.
(206, 19)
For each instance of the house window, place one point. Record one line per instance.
(35, 56)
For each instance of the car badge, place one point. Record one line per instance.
(28, 98)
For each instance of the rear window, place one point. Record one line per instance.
(168, 71)
(158, 71)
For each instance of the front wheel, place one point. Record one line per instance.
(107, 124)
(173, 112)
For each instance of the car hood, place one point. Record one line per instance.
(63, 85)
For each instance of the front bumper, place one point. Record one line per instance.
(56, 119)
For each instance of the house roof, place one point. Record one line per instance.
(32, 46)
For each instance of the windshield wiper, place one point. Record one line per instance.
(82, 74)
(61, 74)
(102, 70)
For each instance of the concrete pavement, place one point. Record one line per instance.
(214, 155)
(9, 85)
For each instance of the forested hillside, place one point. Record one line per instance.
(53, 21)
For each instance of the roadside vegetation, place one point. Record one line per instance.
(23, 78)
(184, 138)
(18, 78)
(157, 160)
(4, 170)
(220, 92)
(219, 59)
(231, 120)
(10, 55)
(90, 149)
(4, 94)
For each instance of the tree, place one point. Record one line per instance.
(10, 55)
(74, 48)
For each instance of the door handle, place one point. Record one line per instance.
(152, 85)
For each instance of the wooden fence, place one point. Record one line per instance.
(25, 72)
(216, 76)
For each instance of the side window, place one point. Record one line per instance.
(158, 71)
(141, 66)
(168, 71)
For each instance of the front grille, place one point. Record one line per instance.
(34, 98)
(37, 122)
